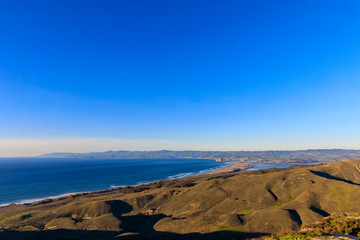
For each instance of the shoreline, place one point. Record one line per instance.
(234, 167)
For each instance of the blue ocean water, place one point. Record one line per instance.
(25, 180)
(260, 165)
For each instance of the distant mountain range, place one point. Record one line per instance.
(299, 156)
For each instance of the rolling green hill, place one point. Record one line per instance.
(224, 206)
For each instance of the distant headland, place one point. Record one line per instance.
(309, 156)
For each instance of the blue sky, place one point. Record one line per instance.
(207, 75)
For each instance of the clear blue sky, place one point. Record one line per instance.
(150, 74)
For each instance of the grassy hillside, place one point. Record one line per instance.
(227, 206)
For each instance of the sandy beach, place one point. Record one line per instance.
(236, 167)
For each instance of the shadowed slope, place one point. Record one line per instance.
(65, 234)
(329, 176)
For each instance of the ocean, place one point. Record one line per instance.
(24, 180)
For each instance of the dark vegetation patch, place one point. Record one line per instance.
(334, 225)
(26, 216)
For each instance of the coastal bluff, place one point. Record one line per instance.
(234, 205)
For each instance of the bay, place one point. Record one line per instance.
(24, 180)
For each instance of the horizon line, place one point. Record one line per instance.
(297, 150)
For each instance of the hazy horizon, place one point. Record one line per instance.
(34, 148)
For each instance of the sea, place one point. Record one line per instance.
(24, 180)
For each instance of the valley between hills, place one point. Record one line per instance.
(310, 200)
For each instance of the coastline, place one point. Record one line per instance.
(234, 167)
(174, 207)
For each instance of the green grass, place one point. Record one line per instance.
(340, 196)
(279, 203)
(246, 211)
(294, 236)
(4, 220)
(231, 229)
(16, 217)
